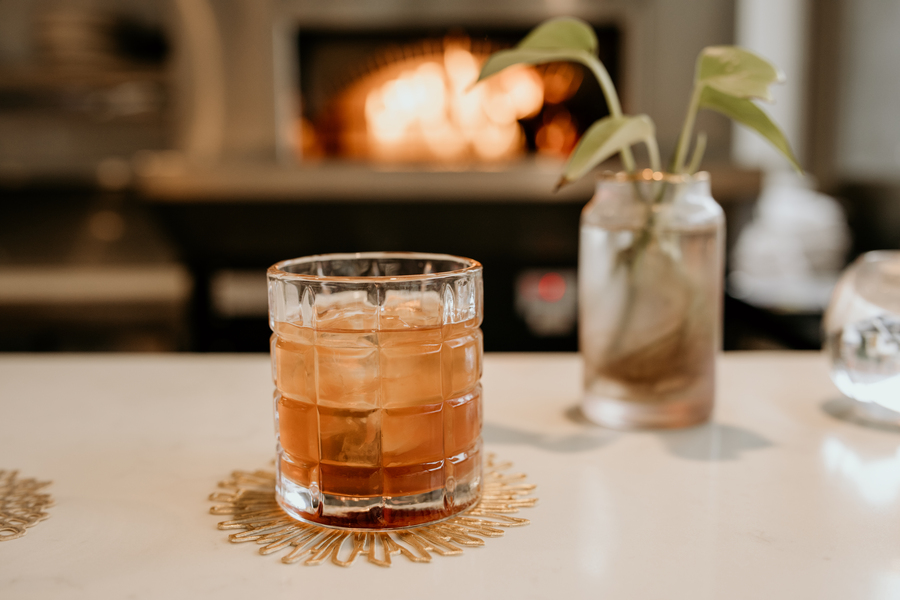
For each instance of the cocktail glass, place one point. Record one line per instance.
(377, 360)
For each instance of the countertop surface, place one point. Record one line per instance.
(776, 497)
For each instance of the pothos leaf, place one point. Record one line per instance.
(603, 139)
(562, 39)
(563, 33)
(736, 71)
(747, 113)
(535, 56)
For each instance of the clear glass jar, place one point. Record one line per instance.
(650, 276)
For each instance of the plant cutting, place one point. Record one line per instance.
(727, 79)
(651, 246)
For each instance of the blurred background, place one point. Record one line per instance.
(157, 155)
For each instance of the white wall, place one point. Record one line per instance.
(868, 133)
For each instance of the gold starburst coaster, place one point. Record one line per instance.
(21, 506)
(260, 519)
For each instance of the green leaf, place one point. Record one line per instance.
(737, 72)
(563, 33)
(535, 56)
(603, 139)
(562, 39)
(556, 40)
(746, 113)
(498, 61)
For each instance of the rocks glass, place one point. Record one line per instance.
(377, 360)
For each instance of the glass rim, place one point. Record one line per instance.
(651, 176)
(278, 271)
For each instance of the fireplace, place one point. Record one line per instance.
(297, 154)
(404, 96)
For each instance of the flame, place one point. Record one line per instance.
(432, 106)
(558, 133)
(561, 81)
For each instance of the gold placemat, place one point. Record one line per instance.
(260, 519)
(21, 506)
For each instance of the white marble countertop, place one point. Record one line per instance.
(776, 498)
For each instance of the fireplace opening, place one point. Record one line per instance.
(402, 97)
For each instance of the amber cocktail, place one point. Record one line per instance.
(377, 360)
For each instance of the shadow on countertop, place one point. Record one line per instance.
(712, 442)
(581, 442)
(867, 415)
(707, 442)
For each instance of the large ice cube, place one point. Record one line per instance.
(411, 375)
(350, 436)
(413, 434)
(347, 377)
(295, 368)
(412, 308)
(347, 310)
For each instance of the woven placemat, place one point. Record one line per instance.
(258, 517)
(21, 504)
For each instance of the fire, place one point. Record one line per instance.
(431, 110)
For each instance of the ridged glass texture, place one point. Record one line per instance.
(377, 359)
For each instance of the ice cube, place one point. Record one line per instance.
(295, 368)
(413, 434)
(349, 436)
(411, 375)
(347, 377)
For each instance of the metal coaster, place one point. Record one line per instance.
(21, 506)
(261, 519)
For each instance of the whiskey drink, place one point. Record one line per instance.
(379, 422)
(378, 401)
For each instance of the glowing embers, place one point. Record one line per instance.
(426, 108)
(418, 103)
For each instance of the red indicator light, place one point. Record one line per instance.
(551, 287)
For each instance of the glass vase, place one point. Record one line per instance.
(650, 275)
